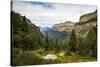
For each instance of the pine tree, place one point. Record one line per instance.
(91, 41)
(73, 42)
(46, 42)
(88, 45)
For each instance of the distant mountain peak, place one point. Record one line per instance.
(66, 26)
(60, 35)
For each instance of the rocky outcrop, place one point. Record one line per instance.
(66, 26)
(87, 17)
(86, 22)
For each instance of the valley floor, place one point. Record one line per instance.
(23, 57)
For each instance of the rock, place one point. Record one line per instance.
(49, 56)
(62, 54)
(66, 26)
(86, 22)
(88, 16)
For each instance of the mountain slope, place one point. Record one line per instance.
(66, 26)
(87, 17)
(60, 35)
(86, 22)
(25, 35)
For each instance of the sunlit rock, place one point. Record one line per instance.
(50, 56)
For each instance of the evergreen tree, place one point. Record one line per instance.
(72, 42)
(91, 42)
(46, 42)
(88, 46)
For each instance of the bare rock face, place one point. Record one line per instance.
(82, 30)
(88, 16)
(66, 26)
(86, 22)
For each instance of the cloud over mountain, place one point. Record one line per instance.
(46, 14)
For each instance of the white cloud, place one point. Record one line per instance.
(47, 14)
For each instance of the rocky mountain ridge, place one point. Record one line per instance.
(66, 26)
(86, 22)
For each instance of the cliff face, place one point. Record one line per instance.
(66, 26)
(87, 17)
(86, 22)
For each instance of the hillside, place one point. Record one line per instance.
(32, 45)
(60, 35)
(24, 32)
(86, 22)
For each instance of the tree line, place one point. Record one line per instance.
(27, 36)
(84, 46)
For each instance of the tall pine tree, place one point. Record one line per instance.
(73, 41)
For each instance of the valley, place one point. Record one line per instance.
(66, 42)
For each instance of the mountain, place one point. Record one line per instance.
(60, 35)
(25, 34)
(66, 26)
(87, 21)
(87, 17)
(21, 23)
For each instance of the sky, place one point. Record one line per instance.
(45, 14)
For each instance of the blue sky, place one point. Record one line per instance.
(46, 14)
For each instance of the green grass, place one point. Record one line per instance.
(34, 57)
